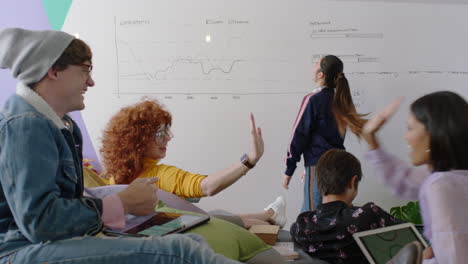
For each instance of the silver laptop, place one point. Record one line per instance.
(380, 245)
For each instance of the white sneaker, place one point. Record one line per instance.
(279, 209)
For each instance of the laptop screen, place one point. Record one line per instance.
(383, 246)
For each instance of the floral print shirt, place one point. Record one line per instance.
(327, 233)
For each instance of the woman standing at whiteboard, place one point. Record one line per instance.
(437, 137)
(321, 124)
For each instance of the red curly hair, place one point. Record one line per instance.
(127, 136)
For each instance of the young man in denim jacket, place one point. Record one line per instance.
(43, 214)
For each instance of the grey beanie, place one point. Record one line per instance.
(30, 54)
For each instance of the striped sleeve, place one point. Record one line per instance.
(301, 135)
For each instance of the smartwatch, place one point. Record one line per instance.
(245, 160)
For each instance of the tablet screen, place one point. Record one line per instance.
(383, 246)
(165, 223)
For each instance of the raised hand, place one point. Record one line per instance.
(373, 125)
(257, 147)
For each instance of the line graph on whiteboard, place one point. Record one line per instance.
(174, 68)
(189, 64)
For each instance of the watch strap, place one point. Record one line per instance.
(245, 160)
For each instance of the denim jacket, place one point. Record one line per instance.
(41, 176)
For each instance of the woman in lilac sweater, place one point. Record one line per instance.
(437, 135)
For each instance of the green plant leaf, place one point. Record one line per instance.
(409, 212)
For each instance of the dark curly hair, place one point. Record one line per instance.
(127, 136)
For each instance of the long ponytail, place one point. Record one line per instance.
(343, 106)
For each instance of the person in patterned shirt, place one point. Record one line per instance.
(327, 232)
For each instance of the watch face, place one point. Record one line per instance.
(245, 161)
(244, 158)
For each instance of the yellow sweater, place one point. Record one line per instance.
(172, 179)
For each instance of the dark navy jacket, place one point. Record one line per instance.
(315, 130)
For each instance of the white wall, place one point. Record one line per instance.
(259, 60)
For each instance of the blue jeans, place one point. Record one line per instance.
(317, 198)
(171, 249)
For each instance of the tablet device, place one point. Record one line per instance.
(380, 245)
(160, 224)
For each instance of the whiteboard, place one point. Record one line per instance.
(211, 62)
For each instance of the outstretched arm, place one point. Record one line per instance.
(373, 126)
(220, 180)
(403, 179)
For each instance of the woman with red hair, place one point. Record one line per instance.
(135, 140)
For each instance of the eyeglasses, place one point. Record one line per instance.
(88, 68)
(162, 133)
